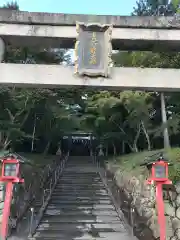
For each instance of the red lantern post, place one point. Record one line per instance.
(159, 177)
(9, 175)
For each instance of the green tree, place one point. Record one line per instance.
(48, 108)
(13, 5)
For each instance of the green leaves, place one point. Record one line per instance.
(175, 3)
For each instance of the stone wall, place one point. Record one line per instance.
(135, 193)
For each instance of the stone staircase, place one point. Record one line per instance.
(80, 207)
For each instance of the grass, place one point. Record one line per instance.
(36, 163)
(34, 158)
(130, 163)
(38, 159)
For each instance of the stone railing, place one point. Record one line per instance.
(137, 200)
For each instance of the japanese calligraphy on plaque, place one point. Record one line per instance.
(93, 50)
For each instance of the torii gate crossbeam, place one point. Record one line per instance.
(58, 76)
(58, 30)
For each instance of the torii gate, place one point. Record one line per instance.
(60, 30)
(96, 37)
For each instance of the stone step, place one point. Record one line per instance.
(66, 183)
(80, 208)
(81, 198)
(92, 186)
(55, 205)
(78, 212)
(72, 195)
(84, 227)
(83, 218)
(88, 185)
(79, 176)
(75, 181)
(75, 173)
(83, 236)
(79, 181)
(55, 199)
(70, 186)
(80, 191)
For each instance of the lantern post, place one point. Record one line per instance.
(9, 175)
(159, 177)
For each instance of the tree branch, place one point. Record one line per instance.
(10, 115)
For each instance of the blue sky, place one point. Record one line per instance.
(99, 7)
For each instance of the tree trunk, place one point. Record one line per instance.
(122, 130)
(114, 149)
(107, 150)
(146, 135)
(164, 121)
(1, 139)
(33, 135)
(123, 147)
(136, 150)
(136, 138)
(6, 144)
(47, 148)
(131, 147)
(1, 136)
(25, 119)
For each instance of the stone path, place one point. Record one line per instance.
(80, 208)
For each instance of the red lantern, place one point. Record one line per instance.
(10, 170)
(10, 175)
(159, 177)
(159, 173)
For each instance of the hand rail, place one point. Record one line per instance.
(160, 156)
(33, 192)
(31, 220)
(28, 195)
(35, 219)
(110, 189)
(97, 160)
